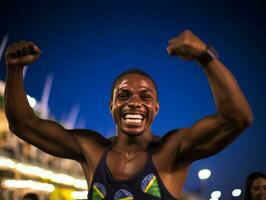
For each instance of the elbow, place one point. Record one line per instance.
(15, 127)
(239, 121)
(12, 122)
(17, 123)
(241, 117)
(12, 128)
(245, 120)
(248, 120)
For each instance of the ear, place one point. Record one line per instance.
(157, 107)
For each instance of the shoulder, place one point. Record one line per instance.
(168, 147)
(172, 138)
(87, 134)
(89, 140)
(91, 143)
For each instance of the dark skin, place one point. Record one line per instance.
(136, 95)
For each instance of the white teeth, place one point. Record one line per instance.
(133, 120)
(133, 116)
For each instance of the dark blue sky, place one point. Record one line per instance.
(86, 44)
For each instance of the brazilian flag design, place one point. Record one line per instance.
(123, 195)
(99, 192)
(150, 185)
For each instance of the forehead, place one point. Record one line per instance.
(135, 80)
(259, 181)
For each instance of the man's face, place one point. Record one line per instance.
(258, 189)
(134, 104)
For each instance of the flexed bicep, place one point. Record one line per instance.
(211, 134)
(49, 136)
(207, 137)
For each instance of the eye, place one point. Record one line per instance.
(256, 187)
(122, 96)
(146, 97)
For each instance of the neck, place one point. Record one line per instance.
(132, 144)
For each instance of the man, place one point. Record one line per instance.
(135, 164)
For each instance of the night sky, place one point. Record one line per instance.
(86, 44)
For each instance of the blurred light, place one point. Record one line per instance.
(23, 184)
(26, 169)
(216, 194)
(63, 179)
(30, 170)
(7, 163)
(31, 100)
(204, 174)
(82, 184)
(79, 195)
(213, 199)
(236, 192)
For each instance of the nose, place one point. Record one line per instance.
(134, 102)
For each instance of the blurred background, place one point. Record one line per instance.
(86, 44)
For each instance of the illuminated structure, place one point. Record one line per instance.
(24, 168)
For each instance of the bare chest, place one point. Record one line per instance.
(124, 166)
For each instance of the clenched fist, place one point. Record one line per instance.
(186, 46)
(21, 53)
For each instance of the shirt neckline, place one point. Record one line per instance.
(134, 177)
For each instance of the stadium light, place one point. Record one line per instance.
(216, 194)
(236, 192)
(204, 174)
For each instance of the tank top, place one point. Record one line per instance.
(145, 185)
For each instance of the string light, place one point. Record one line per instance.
(35, 171)
(79, 195)
(29, 184)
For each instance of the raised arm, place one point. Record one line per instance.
(212, 133)
(44, 134)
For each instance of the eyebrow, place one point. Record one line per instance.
(141, 90)
(147, 90)
(122, 89)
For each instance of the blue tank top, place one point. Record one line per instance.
(145, 185)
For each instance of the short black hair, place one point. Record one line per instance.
(133, 71)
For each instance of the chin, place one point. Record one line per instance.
(132, 132)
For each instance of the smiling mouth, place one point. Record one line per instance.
(133, 118)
